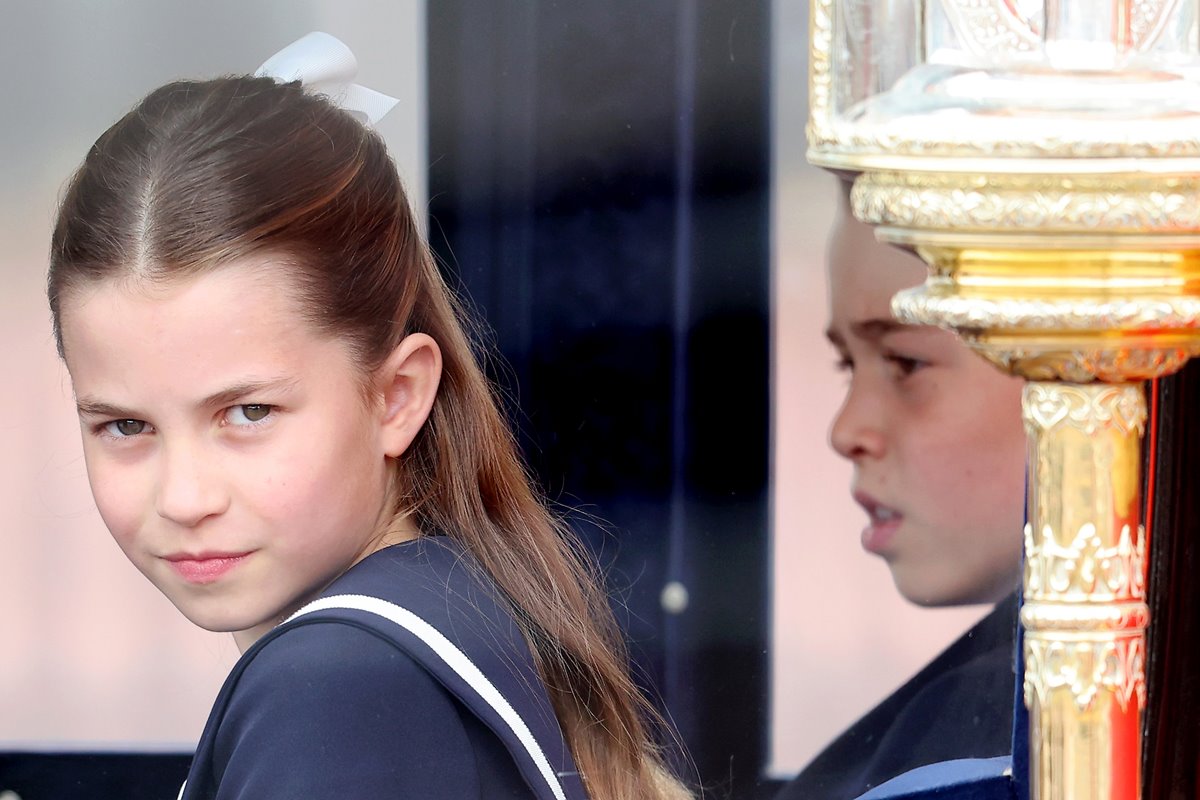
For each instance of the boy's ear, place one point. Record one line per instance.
(409, 381)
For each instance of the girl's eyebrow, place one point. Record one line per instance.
(89, 407)
(240, 391)
(95, 408)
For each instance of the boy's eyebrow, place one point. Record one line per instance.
(876, 329)
(835, 338)
(89, 407)
(870, 329)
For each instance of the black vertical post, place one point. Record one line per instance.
(599, 188)
(1171, 725)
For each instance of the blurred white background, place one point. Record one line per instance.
(92, 655)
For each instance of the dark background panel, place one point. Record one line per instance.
(1171, 720)
(80, 775)
(599, 189)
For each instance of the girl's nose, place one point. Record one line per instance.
(190, 490)
(858, 431)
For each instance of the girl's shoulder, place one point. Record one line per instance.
(334, 710)
(413, 635)
(432, 598)
(433, 573)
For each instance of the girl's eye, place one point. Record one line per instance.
(124, 428)
(844, 364)
(248, 414)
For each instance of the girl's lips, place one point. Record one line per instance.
(204, 567)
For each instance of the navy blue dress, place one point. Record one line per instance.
(405, 679)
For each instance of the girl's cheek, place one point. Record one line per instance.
(114, 514)
(119, 503)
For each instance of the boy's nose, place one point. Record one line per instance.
(857, 429)
(189, 492)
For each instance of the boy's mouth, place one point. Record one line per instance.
(883, 522)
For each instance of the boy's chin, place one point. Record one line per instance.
(928, 592)
(931, 595)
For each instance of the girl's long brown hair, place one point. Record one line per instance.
(201, 174)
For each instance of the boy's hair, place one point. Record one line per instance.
(203, 174)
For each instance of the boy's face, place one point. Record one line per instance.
(934, 433)
(230, 449)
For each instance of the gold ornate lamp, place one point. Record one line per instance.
(1044, 159)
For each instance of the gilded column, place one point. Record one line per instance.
(1084, 613)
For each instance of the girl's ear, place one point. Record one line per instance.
(409, 381)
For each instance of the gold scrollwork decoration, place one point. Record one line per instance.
(1049, 203)
(820, 76)
(844, 144)
(1073, 618)
(1114, 664)
(1085, 408)
(1083, 365)
(1086, 570)
(937, 304)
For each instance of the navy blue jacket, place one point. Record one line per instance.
(960, 705)
(423, 688)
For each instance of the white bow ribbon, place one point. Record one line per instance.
(325, 65)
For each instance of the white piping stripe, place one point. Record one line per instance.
(456, 659)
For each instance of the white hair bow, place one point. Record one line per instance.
(325, 65)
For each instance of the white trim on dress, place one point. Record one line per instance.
(456, 659)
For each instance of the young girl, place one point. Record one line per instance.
(935, 436)
(287, 432)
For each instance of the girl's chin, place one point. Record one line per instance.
(218, 620)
